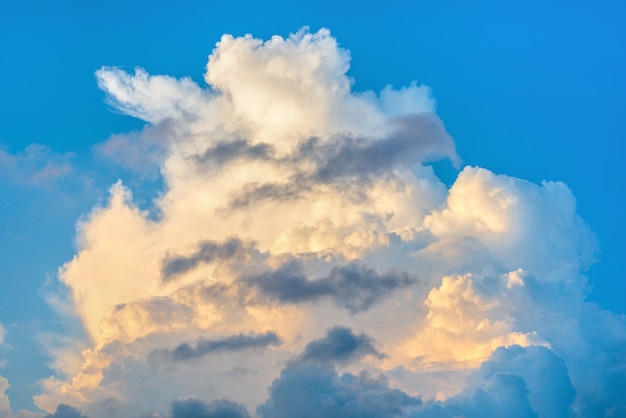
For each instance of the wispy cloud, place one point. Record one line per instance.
(36, 165)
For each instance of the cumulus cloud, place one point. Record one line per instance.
(291, 204)
(551, 393)
(505, 395)
(517, 382)
(314, 390)
(66, 411)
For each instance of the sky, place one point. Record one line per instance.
(407, 209)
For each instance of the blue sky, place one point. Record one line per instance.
(530, 90)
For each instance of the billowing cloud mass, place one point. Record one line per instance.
(303, 259)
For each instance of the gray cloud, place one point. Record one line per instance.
(186, 352)
(518, 382)
(418, 138)
(550, 390)
(340, 345)
(193, 408)
(314, 390)
(354, 286)
(225, 152)
(255, 192)
(207, 252)
(139, 151)
(506, 395)
(349, 162)
(66, 411)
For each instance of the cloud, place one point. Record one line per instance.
(291, 204)
(504, 395)
(353, 286)
(316, 390)
(469, 317)
(5, 406)
(346, 161)
(551, 393)
(151, 98)
(520, 223)
(221, 154)
(518, 381)
(186, 352)
(418, 137)
(207, 252)
(340, 346)
(36, 165)
(192, 408)
(66, 411)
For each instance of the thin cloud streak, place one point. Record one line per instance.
(186, 352)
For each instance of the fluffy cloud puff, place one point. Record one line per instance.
(295, 208)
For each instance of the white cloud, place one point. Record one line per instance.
(468, 317)
(520, 223)
(293, 205)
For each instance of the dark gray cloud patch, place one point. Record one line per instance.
(417, 139)
(193, 408)
(186, 352)
(341, 346)
(289, 284)
(223, 153)
(66, 411)
(354, 286)
(351, 163)
(314, 390)
(207, 252)
(258, 192)
(358, 288)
